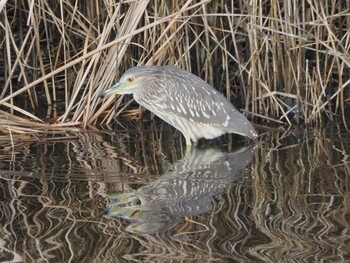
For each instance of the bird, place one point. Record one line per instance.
(183, 100)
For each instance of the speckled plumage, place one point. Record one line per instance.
(183, 100)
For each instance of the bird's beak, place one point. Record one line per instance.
(110, 90)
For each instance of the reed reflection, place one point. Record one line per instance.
(185, 189)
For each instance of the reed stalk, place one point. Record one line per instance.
(280, 61)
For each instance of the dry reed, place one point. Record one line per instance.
(285, 61)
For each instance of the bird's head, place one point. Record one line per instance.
(129, 82)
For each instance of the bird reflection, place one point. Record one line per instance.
(185, 189)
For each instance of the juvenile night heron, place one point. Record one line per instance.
(183, 100)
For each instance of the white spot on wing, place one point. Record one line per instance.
(225, 124)
(205, 115)
(183, 109)
(192, 113)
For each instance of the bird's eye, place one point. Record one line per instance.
(130, 79)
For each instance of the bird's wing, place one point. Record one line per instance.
(202, 104)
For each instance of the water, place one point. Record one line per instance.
(139, 196)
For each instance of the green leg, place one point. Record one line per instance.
(190, 143)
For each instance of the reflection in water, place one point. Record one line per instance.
(290, 204)
(186, 189)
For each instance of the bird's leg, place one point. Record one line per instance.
(190, 147)
(188, 142)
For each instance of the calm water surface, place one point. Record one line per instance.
(139, 196)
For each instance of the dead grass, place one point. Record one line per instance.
(281, 62)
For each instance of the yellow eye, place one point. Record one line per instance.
(130, 79)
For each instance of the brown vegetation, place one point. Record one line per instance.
(281, 61)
